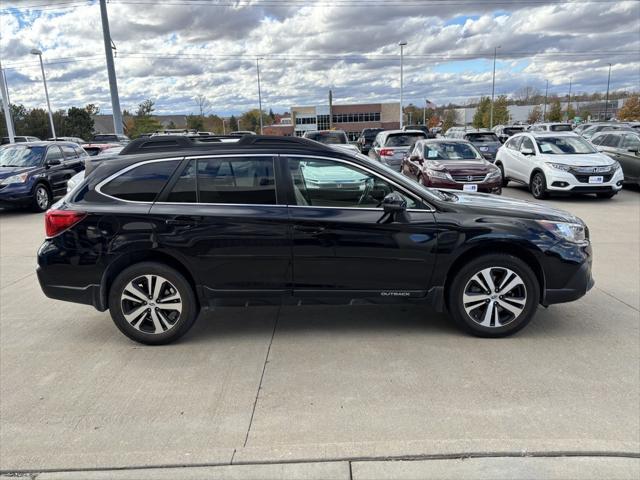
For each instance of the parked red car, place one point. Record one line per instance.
(454, 164)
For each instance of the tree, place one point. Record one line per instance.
(481, 117)
(233, 124)
(251, 120)
(92, 109)
(555, 112)
(525, 94)
(272, 115)
(501, 114)
(79, 123)
(143, 122)
(195, 122)
(535, 115)
(203, 105)
(448, 119)
(630, 109)
(570, 113)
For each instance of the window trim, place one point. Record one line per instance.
(372, 172)
(131, 167)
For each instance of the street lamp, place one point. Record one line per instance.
(402, 45)
(37, 52)
(493, 85)
(606, 102)
(259, 92)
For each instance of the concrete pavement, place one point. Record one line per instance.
(325, 385)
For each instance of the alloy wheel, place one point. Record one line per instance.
(494, 297)
(151, 304)
(42, 198)
(536, 185)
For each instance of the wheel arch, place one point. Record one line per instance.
(129, 259)
(537, 170)
(495, 247)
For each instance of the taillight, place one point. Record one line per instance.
(386, 152)
(57, 221)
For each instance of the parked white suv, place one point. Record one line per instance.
(558, 162)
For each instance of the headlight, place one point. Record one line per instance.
(559, 166)
(616, 166)
(495, 173)
(572, 232)
(438, 174)
(21, 178)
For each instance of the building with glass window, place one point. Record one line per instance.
(350, 118)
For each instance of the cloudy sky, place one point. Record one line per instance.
(172, 50)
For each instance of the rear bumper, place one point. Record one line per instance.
(87, 295)
(577, 286)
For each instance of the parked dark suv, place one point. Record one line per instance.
(33, 173)
(156, 237)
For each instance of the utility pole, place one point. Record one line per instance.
(606, 102)
(35, 51)
(259, 92)
(569, 101)
(546, 93)
(330, 110)
(424, 113)
(6, 107)
(402, 45)
(113, 84)
(493, 85)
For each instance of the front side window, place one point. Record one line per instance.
(328, 183)
(631, 142)
(514, 143)
(572, 145)
(527, 144)
(234, 180)
(142, 183)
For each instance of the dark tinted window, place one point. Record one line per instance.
(54, 153)
(237, 180)
(184, 190)
(560, 128)
(106, 138)
(481, 137)
(403, 139)
(610, 140)
(143, 183)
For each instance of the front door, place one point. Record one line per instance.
(342, 241)
(221, 215)
(57, 174)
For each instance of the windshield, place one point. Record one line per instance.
(403, 139)
(564, 145)
(21, 156)
(329, 138)
(105, 138)
(451, 151)
(482, 137)
(560, 128)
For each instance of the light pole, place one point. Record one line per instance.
(606, 102)
(6, 106)
(569, 101)
(493, 85)
(546, 93)
(259, 93)
(37, 52)
(402, 45)
(111, 71)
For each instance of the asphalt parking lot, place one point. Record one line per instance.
(346, 387)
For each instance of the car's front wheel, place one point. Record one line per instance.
(152, 303)
(494, 295)
(505, 180)
(539, 186)
(41, 200)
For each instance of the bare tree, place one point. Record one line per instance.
(203, 104)
(525, 94)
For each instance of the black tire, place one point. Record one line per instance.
(538, 186)
(463, 280)
(41, 199)
(606, 195)
(178, 324)
(505, 180)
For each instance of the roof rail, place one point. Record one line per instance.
(167, 143)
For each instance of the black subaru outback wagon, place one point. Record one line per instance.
(156, 237)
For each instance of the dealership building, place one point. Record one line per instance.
(350, 118)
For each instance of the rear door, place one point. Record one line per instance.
(344, 245)
(221, 215)
(629, 157)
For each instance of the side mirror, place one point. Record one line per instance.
(527, 151)
(415, 158)
(394, 203)
(53, 162)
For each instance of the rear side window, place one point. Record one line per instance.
(514, 143)
(69, 152)
(234, 180)
(143, 183)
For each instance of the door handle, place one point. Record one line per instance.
(183, 221)
(310, 230)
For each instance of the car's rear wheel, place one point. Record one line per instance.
(152, 303)
(538, 186)
(42, 198)
(494, 295)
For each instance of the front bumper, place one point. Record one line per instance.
(491, 186)
(560, 181)
(576, 287)
(15, 193)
